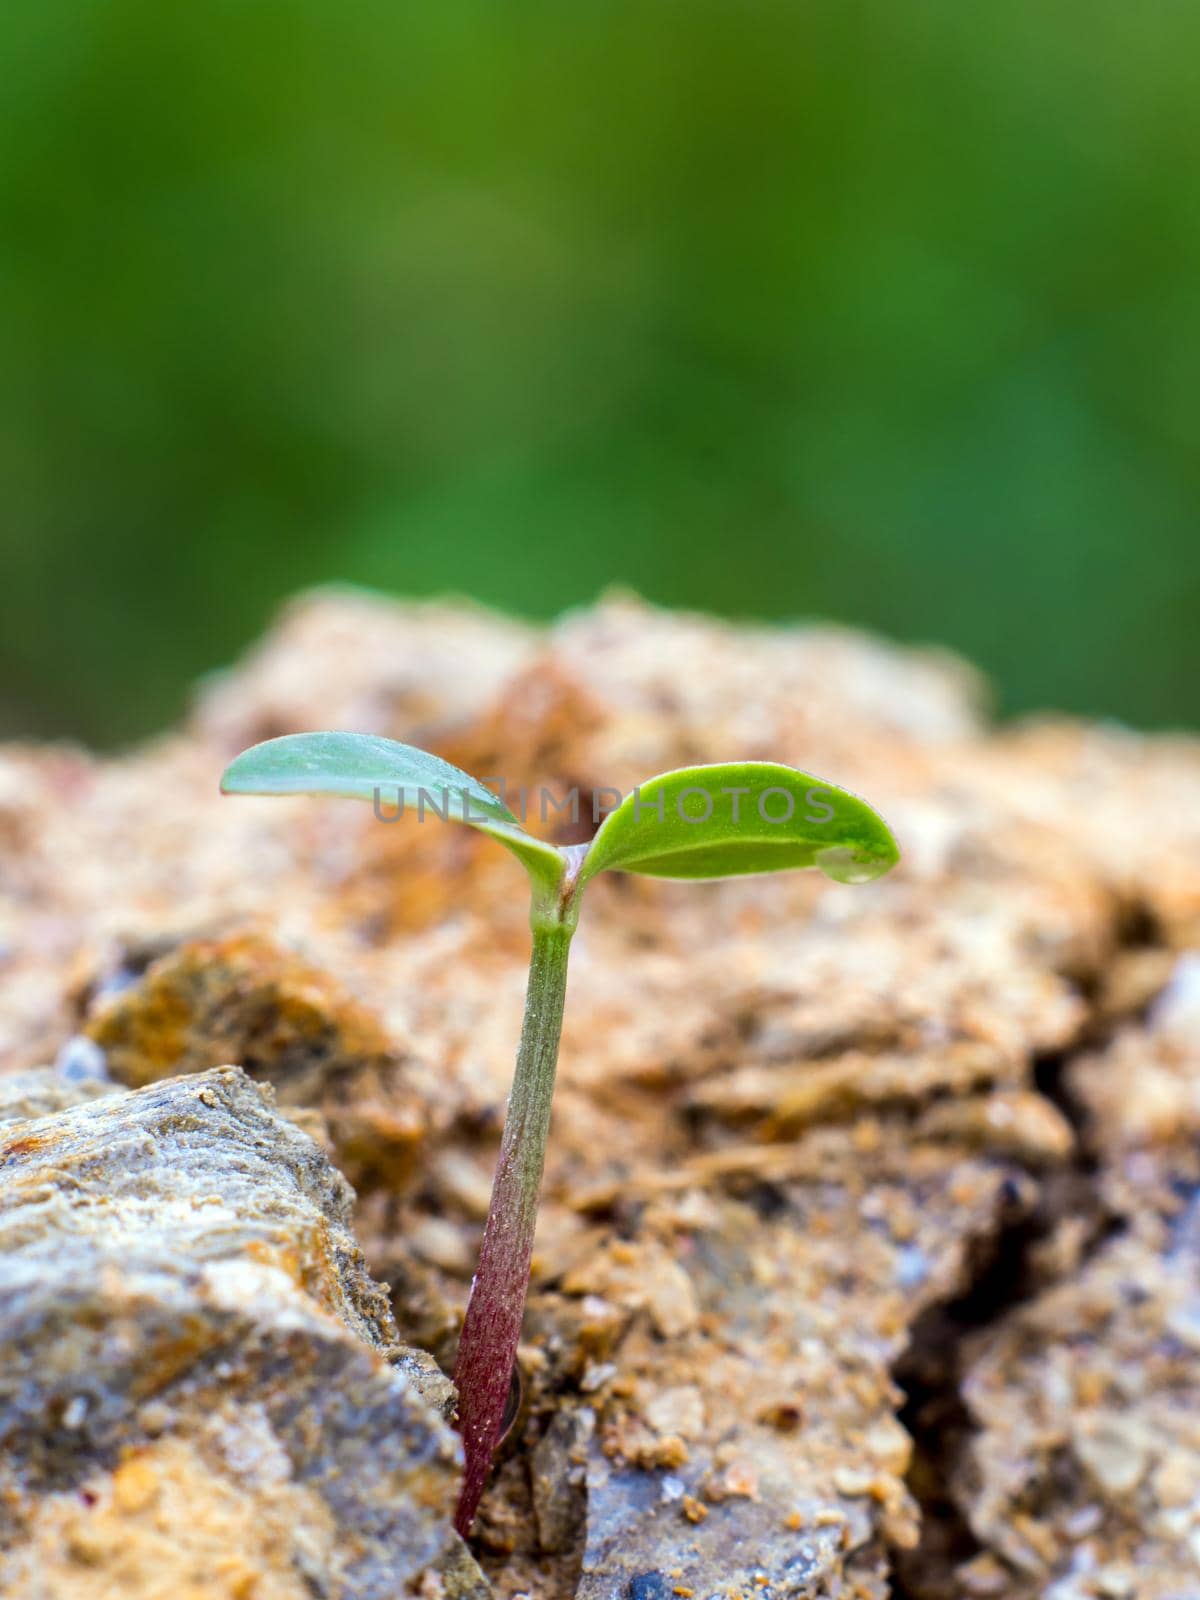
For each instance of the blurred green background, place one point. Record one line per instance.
(888, 312)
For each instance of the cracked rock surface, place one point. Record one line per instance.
(1083, 1474)
(867, 1259)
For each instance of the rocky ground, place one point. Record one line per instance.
(869, 1262)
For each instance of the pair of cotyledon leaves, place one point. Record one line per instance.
(698, 822)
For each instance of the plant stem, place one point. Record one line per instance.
(487, 1351)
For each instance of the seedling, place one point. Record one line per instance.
(698, 822)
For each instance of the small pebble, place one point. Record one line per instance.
(81, 1060)
(74, 1412)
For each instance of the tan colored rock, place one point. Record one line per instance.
(1088, 1417)
(1012, 1122)
(347, 658)
(796, 1122)
(1143, 1089)
(244, 997)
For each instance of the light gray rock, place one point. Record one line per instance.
(201, 1388)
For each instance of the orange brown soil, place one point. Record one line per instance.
(812, 1143)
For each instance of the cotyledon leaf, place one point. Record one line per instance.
(363, 766)
(738, 817)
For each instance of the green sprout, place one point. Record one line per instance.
(699, 822)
